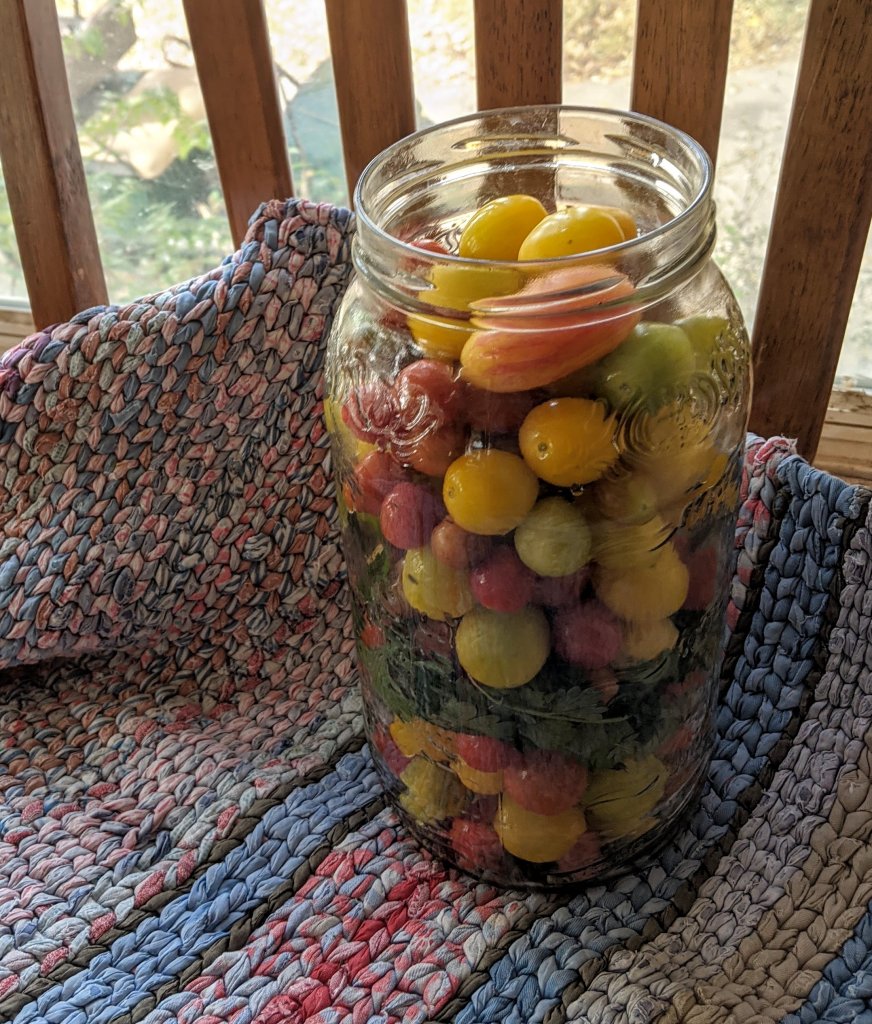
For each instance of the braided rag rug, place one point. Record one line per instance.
(190, 825)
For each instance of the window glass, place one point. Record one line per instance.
(148, 155)
(301, 51)
(12, 290)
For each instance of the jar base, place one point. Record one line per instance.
(617, 858)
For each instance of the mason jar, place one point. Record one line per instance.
(537, 390)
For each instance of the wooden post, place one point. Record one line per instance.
(372, 66)
(518, 52)
(42, 166)
(822, 215)
(234, 61)
(680, 65)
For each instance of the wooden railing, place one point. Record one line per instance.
(822, 213)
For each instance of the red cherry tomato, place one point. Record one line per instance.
(375, 476)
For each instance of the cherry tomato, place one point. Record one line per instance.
(432, 453)
(569, 441)
(433, 588)
(451, 544)
(489, 491)
(554, 539)
(416, 736)
(431, 245)
(626, 222)
(502, 650)
(431, 387)
(646, 640)
(375, 476)
(537, 838)
(408, 515)
(431, 792)
(618, 801)
(654, 356)
(497, 229)
(654, 589)
(502, 582)
(588, 635)
(629, 498)
(484, 783)
(426, 432)
(370, 410)
(570, 232)
(493, 413)
(545, 782)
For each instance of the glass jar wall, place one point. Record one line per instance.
(537, 389)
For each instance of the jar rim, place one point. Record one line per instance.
(404, 249)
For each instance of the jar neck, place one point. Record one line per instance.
(427, 185)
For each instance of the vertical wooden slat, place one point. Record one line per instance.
(372, 65)
(518, 52)
(822, 216)
(237, 76)
(680, 65)
(42, 165)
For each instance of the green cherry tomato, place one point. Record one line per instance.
(503, 649)
(705, 334)
(652, 357)
(554, 539)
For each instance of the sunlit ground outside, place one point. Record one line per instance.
(151, 169)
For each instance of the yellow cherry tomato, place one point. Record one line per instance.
(568, 441)
(484, 783)
(416, 736)
(630, 498)
(503, 649)
(456, 287)
(432, 792)
(626, 221)
(489, 491)
(570, 232)
(496, 230)
(618, 802)
(619, 546)
(654, 589)
(434, 588)
(679, 477)
(353, 446)
(645, 640)
(537, 838)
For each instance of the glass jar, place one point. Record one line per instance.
(538, 458)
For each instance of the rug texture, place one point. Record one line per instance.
(190, 824)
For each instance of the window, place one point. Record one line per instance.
(12, 289)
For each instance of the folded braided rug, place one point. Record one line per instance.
(190, 825)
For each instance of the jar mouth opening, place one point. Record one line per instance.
(372, 205)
